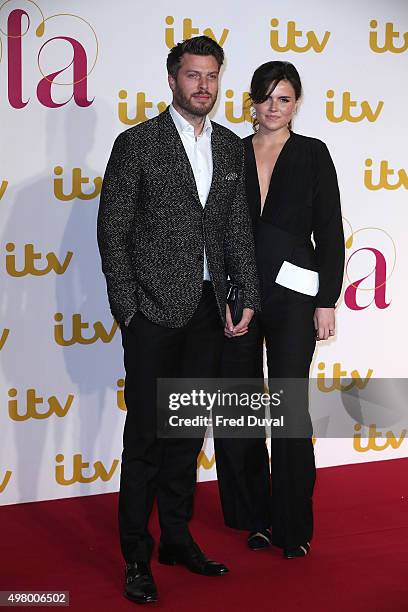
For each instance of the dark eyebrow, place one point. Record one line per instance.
(199, 71)
(281, 95)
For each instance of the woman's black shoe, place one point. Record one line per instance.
(259, 539)
(299, 551)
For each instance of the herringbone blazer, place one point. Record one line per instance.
(152, 227)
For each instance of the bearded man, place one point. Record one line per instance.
(173, 223)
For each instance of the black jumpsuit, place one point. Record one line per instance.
(302, 201)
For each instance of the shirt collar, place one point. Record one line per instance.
(184, 127)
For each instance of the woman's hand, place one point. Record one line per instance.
(242, 327)
(324, 322)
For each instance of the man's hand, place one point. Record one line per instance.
(324, 322)
(241, 328)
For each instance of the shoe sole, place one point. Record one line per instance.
(167, 561)
(258, 545)
(172, 562)
(152, 599)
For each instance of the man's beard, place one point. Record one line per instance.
(186, 104)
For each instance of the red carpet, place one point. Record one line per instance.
(359, 559)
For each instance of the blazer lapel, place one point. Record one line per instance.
(220, 163)
(173, 153)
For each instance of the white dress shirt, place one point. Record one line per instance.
(198, 150)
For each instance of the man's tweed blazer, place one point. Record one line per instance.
(152, 227)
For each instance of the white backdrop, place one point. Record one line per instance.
(62, 410)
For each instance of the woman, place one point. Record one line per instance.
(293, 195)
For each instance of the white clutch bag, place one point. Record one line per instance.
(298, 279)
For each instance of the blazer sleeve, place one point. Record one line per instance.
(239, 244)
(327, 228)
(115, 227)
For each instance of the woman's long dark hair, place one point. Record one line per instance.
(266, 78)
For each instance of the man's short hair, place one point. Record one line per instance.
(199, 45)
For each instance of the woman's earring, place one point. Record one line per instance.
(255, 123)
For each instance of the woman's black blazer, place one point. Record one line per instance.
(303, 200)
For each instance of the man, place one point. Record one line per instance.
(173, 223)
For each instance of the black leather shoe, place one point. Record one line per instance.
(191, 557)
(299, 551)
(259, 539)
(139, 583)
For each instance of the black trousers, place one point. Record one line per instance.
(162, 468)
(250, 498)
